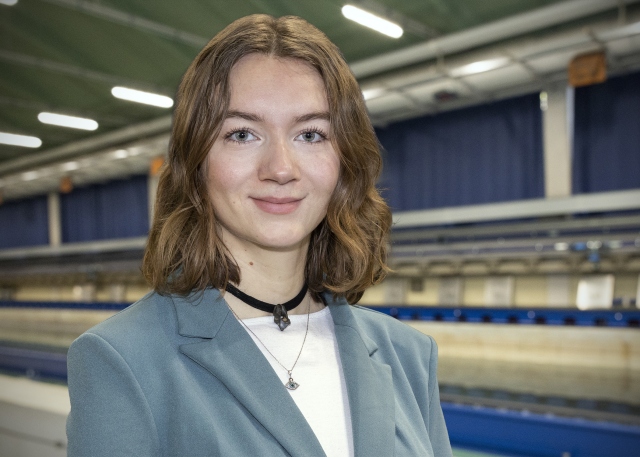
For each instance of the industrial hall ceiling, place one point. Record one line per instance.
(66, 56)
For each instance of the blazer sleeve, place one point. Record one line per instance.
(109, 415)
(436, 426)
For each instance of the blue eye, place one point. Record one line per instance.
(311, 136)
(241, 136)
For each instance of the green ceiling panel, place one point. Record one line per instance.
(97, 51)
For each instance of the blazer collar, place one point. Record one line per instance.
(201, 314)
(226, 350)
(369, 384)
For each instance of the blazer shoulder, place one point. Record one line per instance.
(142, 317)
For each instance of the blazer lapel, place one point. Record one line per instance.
(230, 355)
(369, 385)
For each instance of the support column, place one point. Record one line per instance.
(55, 224)
(557, 106)
(152, 182)
(154, 176)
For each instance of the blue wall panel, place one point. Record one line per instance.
(24, 223)
(607, 136)
(520, 433)
(117, 209)
(483, 154)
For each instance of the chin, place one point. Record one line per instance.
(283, 242)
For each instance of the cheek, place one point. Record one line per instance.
(326, 174)
(333, 167)
(223, 178)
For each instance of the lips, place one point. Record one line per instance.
(277, 205)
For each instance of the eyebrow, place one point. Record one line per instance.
(246, 116)
(324, 115)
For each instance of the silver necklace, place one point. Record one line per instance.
(290, 384)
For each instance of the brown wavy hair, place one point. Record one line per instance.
(347, 251)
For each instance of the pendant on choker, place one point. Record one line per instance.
(279, 311)
(280, 317)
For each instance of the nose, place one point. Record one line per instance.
(279, 162)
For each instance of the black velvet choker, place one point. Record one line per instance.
(279, 311)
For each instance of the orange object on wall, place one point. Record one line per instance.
(66, 185)
(587, 69)
(156, 164)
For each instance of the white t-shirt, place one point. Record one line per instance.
(322, 394)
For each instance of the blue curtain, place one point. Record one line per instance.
(117, 209)
(483, 154)
(606, 153)
(24, 223)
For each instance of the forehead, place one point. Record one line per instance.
(265, 81)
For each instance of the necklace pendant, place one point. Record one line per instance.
(291, 384)
(280, 317)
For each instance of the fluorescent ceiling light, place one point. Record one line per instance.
(480, 67)
(121, 154)
(70, 166)
(372, 21)
(20, 140)
(8, 2)
(368, 94)
(68, 121)
(139, 96)
(30, 175)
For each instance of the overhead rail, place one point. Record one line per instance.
(613, 244)
(522, 209)
(529, 228)
(66, 249)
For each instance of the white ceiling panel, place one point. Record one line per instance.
(510, 75)
(532, 48)
(388, 102)
(551, 63)
(425, 92)
(624, 46)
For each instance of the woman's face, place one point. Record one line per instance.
(272, 169)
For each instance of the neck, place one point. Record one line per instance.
(272, 276)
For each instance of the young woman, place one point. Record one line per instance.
(267, 226)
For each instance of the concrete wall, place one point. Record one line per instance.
(528, 290)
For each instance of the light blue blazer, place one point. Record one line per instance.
(179, 376)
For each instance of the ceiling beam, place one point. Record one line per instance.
(513, 26)
(39, 107)
(91, 144)
(131, 20)
(29, 61)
